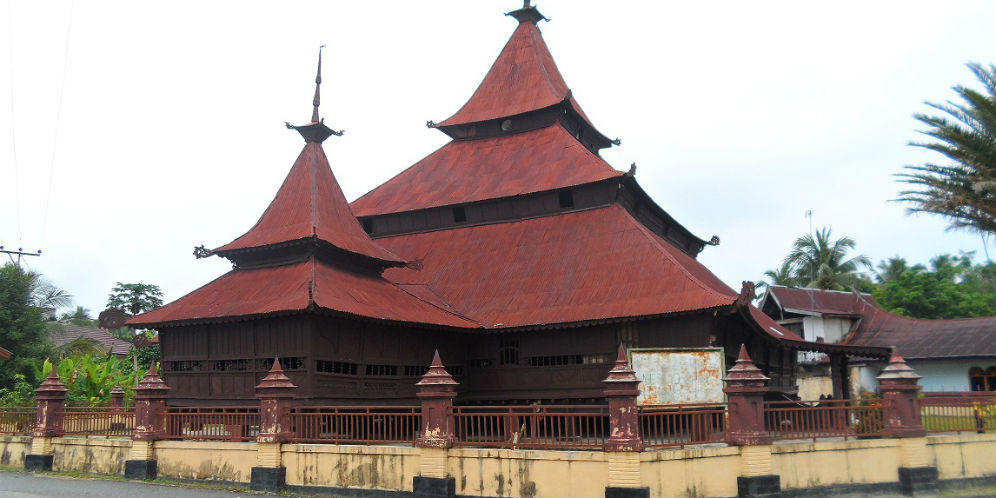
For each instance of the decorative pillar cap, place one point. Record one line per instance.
(897, 369)
(52, 387)
(276, 384)
(117, 391)
(437, 381)
(744, 373)
(151, 386)
(622, 380)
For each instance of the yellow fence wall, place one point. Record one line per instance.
(205, 460)
(13, 449)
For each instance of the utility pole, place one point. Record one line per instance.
(19, 252)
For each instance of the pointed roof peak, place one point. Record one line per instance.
(527, 14)
(316, 131)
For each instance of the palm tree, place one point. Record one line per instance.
(784, 276)
(964, 191)
(818, 261)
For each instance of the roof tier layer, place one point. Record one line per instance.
(523, 78)
(473, 170)
(310, 203)
(300, 287)
(582, 266)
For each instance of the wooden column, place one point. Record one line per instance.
(625, 441)
(49, 415)
(150, 425)
(745, 389)
(836, 374)
(436, 390)
(275, 393)
(897, 384)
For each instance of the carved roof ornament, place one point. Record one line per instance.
(746, 292)
(316, 131)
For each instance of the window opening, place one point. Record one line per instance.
(566, 198)
(459, 214)
(508, 351)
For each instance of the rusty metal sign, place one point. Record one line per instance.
(679, 375)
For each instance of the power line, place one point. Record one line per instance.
(13, 135)
(58, 120)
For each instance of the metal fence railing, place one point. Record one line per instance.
(681, 425)
(547, 427)
(98, 421)
(828, 418)
(17, 420)
(954, 414)
(356, 425)
(226, 424)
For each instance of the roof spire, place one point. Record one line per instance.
(527, 13)
(318, 86)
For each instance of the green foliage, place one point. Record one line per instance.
(22, 325)
(135, 298)
(79, 317)
(90, 379)
(953, 287)
(22, 393)
(964, 190)
(819, 261)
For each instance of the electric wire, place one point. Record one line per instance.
(58, 121)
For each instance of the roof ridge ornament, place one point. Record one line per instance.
(316, 131)
(528, 13)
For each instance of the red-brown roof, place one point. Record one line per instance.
(4, 354)
(310, 203)
(588, 265)
(524, 78)
(472, 170)
(299, 287)
(102, 337)
(820, 301)
(915, 338)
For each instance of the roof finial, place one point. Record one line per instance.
(527, 13)
(318, 85)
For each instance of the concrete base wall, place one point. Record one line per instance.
(13, 449)
(708, 471)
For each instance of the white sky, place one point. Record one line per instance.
(740, 116)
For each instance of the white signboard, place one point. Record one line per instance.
(679, 375)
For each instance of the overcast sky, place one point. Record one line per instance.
(741, 116)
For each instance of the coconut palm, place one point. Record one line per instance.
(819, 261)
(964, 190)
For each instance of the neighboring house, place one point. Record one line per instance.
(4, 354)
(70, 333)
(951, 355)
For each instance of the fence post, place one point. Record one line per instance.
(745, 389)
(150, 425)
(625, 442)
(897, 384)
(275, 393)
(51, 399)
(436, 391)
(117, 399)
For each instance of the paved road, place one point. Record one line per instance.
(27, 485)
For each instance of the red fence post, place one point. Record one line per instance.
(436, 390)
(117, 399)
(49, 415)
(898, 387)
(745, 389)
(150, 425)
(275, 393)
(625, 441)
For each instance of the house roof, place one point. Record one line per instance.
(913, 338)
(572, 267)
(300, 287)
(4, 354)
(824, 302)
(523, 78)
(473, 170)
(70, 333)
(309, 204)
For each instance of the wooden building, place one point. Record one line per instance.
(515, 250)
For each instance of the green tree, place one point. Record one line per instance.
(964, 189)
(22, 324)
(953, 287)
(817, 260)
(135, 298)
(79, 317)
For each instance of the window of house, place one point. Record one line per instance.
(368, 225)
(508, 351)
(382, 370)
(479, 363)
(982, 380)
(459, 214)
(416, 370)
(231, 365)
(566, 198)
(336, 367)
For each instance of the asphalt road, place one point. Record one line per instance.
(27, 485)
